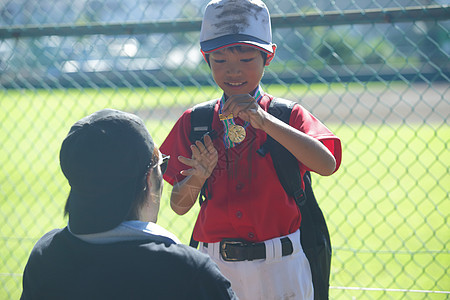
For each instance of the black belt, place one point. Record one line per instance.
(239, 250)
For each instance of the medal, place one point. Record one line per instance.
(236, 133)
(222, 117)
(233, 133)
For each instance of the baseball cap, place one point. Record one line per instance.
(236, 22)
(105, 157)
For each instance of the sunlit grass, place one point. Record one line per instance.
(387, 207)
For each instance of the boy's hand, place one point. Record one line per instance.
(203, 161)
(245, 107)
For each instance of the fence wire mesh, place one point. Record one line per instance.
(375, 72)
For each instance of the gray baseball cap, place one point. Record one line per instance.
(228, 23)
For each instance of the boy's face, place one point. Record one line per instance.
(237, 71)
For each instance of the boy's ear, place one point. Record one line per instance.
(270, 56)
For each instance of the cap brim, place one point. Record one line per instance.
(235, 40)
(98, 213)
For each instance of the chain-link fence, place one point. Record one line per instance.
(375, 72)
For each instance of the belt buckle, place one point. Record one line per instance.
(231, 242)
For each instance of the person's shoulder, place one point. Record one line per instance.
(50, 236)
(181, 252)
(293, 105)
(205, 105)
(192, 271)
(180, 255)
(187, 251)
(47, 241)
(204, 272)
(266, 99)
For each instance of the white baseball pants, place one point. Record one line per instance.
(276, 277)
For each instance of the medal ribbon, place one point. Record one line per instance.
(227, 123)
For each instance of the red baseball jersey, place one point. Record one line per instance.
(247, 199)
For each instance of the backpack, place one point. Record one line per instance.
(314, 237)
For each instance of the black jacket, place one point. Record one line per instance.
(62, 266)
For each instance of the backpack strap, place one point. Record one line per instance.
(201, 124)
(285, 163)
(201, 120)
(315, 238)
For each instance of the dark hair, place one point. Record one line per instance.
(142, 189)
(238, 48)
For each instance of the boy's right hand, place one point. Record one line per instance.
(245, 107)
(203, 161)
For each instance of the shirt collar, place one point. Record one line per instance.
(130, 231)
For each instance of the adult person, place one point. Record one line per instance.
(112, 248)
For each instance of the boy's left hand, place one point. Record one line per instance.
(245, 107)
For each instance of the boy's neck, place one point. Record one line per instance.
(252, 93)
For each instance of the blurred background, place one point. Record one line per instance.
(375, 72)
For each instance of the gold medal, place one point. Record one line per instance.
(236, 133)
(222, 117)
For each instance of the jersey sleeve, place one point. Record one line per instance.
(304, 121)
(176, 144)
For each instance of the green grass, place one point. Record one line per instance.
(387, 207)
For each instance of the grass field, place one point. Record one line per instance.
(387, 207)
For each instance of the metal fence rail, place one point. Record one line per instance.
(330, 18)
(376, 72)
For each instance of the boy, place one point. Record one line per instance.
(247, 210)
